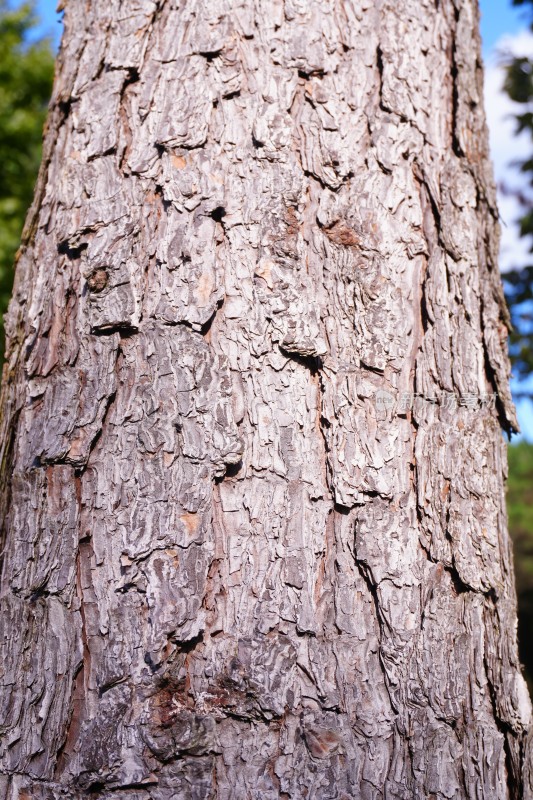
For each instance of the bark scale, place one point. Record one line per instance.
(236, 563)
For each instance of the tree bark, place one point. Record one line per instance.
(238, 562)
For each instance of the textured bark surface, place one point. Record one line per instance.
(235, 564)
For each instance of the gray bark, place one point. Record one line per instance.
(236, 564)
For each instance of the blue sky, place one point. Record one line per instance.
(50, 18)
(499, 17)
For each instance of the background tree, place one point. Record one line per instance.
(238, 560)
(26, 72)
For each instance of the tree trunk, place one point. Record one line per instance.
(239, 559)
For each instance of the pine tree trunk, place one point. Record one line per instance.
(240, 560)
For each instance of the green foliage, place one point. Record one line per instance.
(519, 509)
(26, 73)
